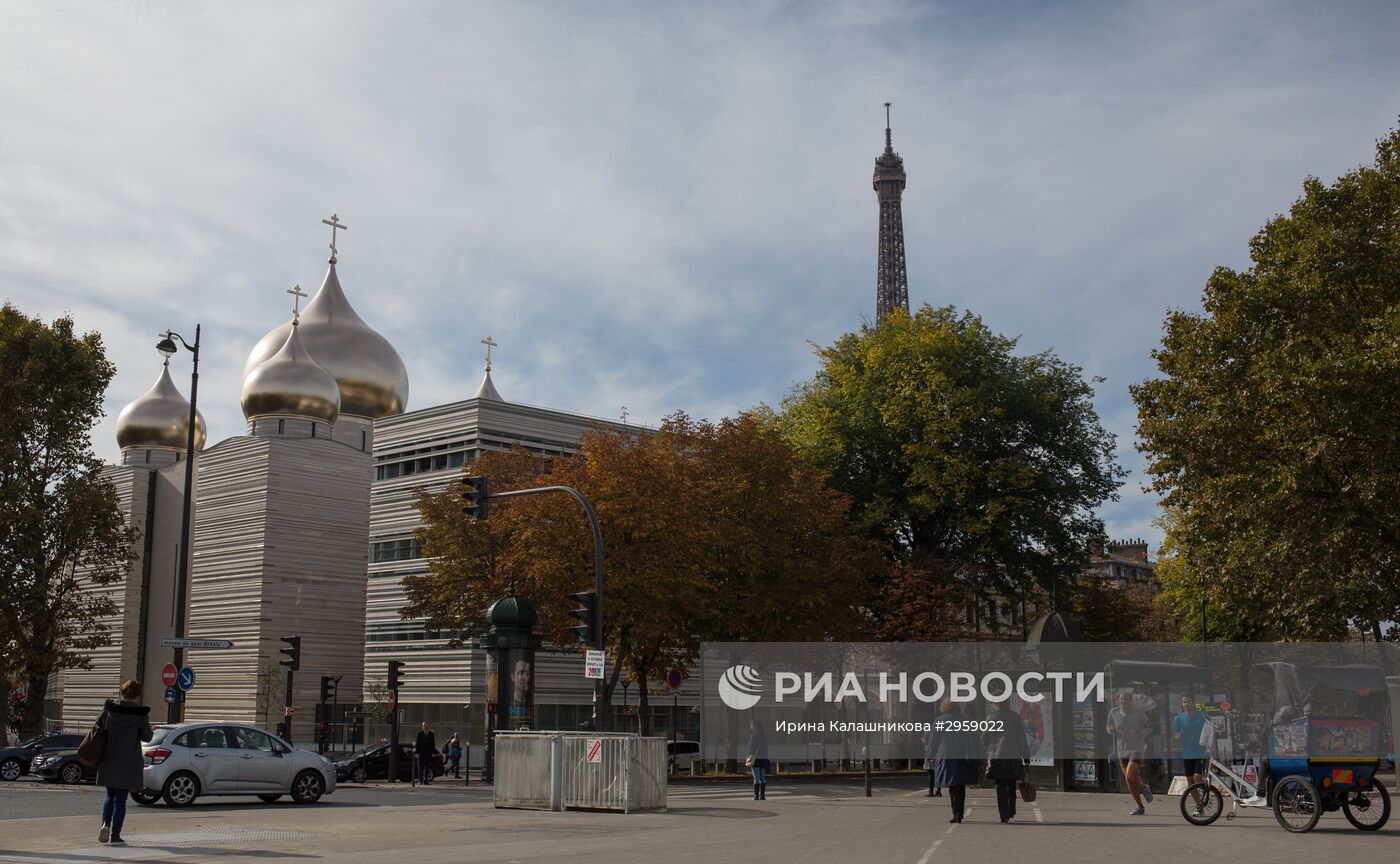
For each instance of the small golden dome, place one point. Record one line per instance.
(160, 417)
(371, 376)
(291, 383)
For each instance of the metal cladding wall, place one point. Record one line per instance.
(84, 690)
(280, 550)
(150, 499)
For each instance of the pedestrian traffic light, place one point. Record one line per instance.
(327, 688)
(475, 494)
(395, 667)
(589, 627)
(292, 652)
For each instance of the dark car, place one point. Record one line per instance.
(14, 761)
(372, 763)
(62, 766)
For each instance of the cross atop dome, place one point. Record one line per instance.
(336, 225)
(298, 294)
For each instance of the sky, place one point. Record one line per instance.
(659, 206)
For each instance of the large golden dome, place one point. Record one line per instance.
(160, 417)
(291, 383)
(372, 379)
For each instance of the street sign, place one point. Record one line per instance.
(595, 751)
(186, 679)
(593, 664)
(167, 675)
(171, 694)
(195, 643)
(674, 678)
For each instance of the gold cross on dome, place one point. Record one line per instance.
(297, 294)
(336, 225)
(489, 343)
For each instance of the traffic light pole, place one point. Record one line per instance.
(598, 641)
(287, 709)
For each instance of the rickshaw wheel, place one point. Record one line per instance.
(1368, 809)
(1212, 804)
(1297, 806)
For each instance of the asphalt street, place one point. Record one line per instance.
(800, 823)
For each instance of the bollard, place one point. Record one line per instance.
(697, 768)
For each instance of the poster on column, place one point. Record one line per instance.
(1040, 734)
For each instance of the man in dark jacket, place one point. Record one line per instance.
(425, 747)
(1007, 757)
(121, 765)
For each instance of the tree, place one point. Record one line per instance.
(60, 523)
(1271, 431)
(974, 464)
(710, 531)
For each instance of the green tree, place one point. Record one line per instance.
(60, 523)
(975, 465)
(1272, 430)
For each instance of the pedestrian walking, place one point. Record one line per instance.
(1129, 726)
(1008, 756)
(127, 724)
(757, 761)
(934, 790)
(454, 755)
(1187, 726)
(425, 747)
(953, 747)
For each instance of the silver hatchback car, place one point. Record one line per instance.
(187, 760)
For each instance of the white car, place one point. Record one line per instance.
(188, 760)
(682, 753)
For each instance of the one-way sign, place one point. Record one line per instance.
(195, 643)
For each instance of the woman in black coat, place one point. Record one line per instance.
(952, 747)
(1007, 757)
(122, 764)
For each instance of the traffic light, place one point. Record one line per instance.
(293, 653)
(395, 667)
(589, 627)
(327, 688)
(475, 494)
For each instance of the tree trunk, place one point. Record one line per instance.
(5, 710)
(643, 712)
(33, 723)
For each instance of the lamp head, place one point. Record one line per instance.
(166, 346)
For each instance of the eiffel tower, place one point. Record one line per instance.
(891, 280)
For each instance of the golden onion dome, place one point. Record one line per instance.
(373, 381)
(160, 417)
(291, 383)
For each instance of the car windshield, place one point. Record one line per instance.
(368, 751)
(32, 741)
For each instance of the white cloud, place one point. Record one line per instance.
(658, 207)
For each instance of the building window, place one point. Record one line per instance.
(313, 430)
(281, 427)
(404, 549)
(364, 439)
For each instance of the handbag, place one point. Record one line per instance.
(1027, 791)
(94, 743)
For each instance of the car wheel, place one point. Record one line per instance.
(181, 789)
(269, 799)
(359, 775)
(308, 787)
(10, 769)
(144, 798)
(72, 774)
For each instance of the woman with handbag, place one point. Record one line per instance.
(1007, 757)
(757, 761)
(126, 725)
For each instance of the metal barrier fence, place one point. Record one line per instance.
(580, 771)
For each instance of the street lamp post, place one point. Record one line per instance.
(167, 347)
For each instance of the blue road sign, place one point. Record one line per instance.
(186, 678)
(171, 694)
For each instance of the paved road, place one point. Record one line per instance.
(798, 824)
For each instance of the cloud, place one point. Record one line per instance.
(658, 207)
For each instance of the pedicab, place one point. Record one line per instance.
(1318, 763)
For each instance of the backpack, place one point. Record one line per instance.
(94, 743)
